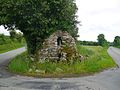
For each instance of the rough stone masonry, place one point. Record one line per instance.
(59, 46)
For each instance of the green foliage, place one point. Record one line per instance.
(38, 19)
(11, 46)
(16, 36)
(116, 42)
(21, 66)
(19, 37)
(90, 43)
(6, 44)
(84, 51)
(13, 35)
(2, 39)
(102, 41)
(97, 61)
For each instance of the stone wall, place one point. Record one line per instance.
(59, 46)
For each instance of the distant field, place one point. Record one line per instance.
(98, 60)
(8, 44)
(8, 47)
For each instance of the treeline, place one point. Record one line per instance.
(13, 38)
(90, 43)
(14, 41)
(101, 41)
(116, 42)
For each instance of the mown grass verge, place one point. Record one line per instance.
(98, 60)
(11, 46)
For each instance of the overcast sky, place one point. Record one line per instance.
(97, 16)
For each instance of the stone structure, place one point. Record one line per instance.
(59, 46)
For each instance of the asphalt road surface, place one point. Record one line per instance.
(107, 80)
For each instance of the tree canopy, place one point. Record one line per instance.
(117, 41)
(37, 19)
(2, 39)
(12, 34)
(102, 41)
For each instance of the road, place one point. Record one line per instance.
(4, 60)
(107, 80)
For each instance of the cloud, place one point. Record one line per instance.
(99, 16)
(3, 31)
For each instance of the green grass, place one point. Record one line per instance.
(98, 60)
(117, 46)
(19, 64)
(11, 46)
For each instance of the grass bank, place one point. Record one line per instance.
(11, 46)
(98, 60)
(117, 46)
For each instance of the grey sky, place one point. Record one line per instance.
(97, 16)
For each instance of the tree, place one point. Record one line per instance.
(102, 41)
(13, 34)
(19, 37)
(117, 41)
(2, 39)
(38, 19)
